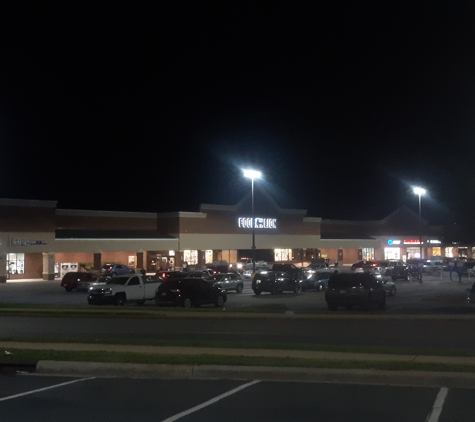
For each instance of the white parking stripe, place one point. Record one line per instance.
(434, 415)
(43, 389)
(207, 403)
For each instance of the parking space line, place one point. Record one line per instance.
(209, 402)
(43, 389)
(434, 414)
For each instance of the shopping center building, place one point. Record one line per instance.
(39, 240)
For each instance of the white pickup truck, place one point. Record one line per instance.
(122, 289)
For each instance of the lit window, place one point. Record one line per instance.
(16, 263)
(283, 254)
(191, 257)
(208, 256)
(367, 254)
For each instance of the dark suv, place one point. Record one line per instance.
(294, 271)
(394, 268)
(188, 292)
(78, 280)
(274, 282)
(355, 289)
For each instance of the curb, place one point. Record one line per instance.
(211, 372)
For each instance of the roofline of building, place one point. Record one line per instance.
(27, 203)
(92, 213)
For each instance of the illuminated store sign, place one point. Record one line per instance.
(26, 242)
(437, 242)
(411, 241)
(259, 223)
(394, 242)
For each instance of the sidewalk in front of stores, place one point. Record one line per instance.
(163, 371)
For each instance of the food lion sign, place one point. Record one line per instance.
(259, 223)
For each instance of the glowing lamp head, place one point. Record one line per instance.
(419, 191)
(252, 174)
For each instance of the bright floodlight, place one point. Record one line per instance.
(252, 174)
(419, 191)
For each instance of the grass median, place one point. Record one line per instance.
(203, 359)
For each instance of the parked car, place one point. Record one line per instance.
(366, 266)
(314, 267)
(196, 274)
(388, 285)
(166, 275)
(355, 289)
(315, 281)
(188, 292)
(122, 289)
(228, 281)
(248, 264)
(247, 274)
(116, 269)
(291, 269)
(79, 281)
(394, 268)
(274, 282)
(218, 267)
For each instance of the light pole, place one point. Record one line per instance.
(420, 192)
(253, 174)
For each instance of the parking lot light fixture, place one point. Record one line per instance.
(420, 191)
(253, 174)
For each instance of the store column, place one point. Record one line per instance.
(48, 266)
(3, 268)
(140, 262)
(201, 259)
(97, 261)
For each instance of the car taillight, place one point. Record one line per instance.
(175, 291)
(374, 265)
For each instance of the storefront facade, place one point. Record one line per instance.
(40, 241)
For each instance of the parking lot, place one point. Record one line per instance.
(435, 295)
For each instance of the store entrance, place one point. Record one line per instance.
(392, 253)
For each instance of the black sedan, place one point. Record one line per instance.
(274, 282)
(188, 292)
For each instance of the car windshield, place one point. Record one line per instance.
(118, 280)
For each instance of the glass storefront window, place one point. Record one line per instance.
(392, 253)
(190, 256)
(463, 252)
(282, 254)
(16, 263)
(208, 256)
(367, 254)
(436, 251)
(413, 253)
(449, 252)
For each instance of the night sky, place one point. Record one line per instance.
(158, 106)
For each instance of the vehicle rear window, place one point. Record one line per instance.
(349, 280)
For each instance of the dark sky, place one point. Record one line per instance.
(157, 106)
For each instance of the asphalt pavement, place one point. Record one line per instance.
(223, 372)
